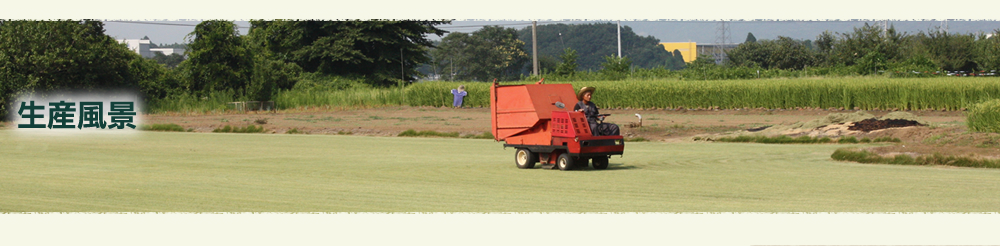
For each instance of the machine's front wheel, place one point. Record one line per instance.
(565, 162)
(524, 158)
(600, 163)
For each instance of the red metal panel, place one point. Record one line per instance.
(569, 124)
(531, 138)
(544, 98)
(526, 109)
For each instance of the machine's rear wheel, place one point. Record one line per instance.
(524, 158)
(565, 162)
(601, 162)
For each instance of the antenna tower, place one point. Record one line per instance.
(723, 37)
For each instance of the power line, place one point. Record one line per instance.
(442, 27)
(509, 24)
(161, 23)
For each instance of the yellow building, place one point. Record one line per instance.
(689, 50)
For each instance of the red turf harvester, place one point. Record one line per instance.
(539, 121)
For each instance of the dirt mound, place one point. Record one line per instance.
(834, 125)
(832, 119)
(872, 124)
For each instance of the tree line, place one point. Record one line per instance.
(283, 55)
(872, 49)
(273, 56)
(504, 53)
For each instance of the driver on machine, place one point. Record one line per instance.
(593, 116)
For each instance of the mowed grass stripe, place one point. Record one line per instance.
(191, 172)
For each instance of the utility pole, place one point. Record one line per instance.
(619, 39)
(885, 29)
(534, 48)
(402, 71)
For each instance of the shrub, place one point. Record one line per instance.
(864, 156)
(641, 139)
(247, 129)
(428, 133)
(984, 117)
(485, 135)
(163, 128)
(781, 139)
(848, 139)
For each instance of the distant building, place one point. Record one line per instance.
(709, 49)
(691, 50)
(168, 51)
(143, 48)
(140, 46)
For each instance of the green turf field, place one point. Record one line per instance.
(199, 172)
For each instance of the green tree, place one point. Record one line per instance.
(594, 41)
(154, 80)
(678, 62)
(987, 51)
(383, 52)
(871, 63)
(824, 47)
(546, 64)
(170, 61)
(270, 76)
(655, 56)
(218, 60)
(616, 67)
(488, 53)
(50, 55)
(750, 38)
(853, 46)
(949, 51)
(568, 65)
(783, 53)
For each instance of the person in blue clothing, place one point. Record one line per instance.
(591, 111)
(459, 96)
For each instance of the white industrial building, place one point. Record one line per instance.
(142, 47)
(168, 51)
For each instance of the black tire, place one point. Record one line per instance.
(524, 159)
(564, 162)
(601, 163)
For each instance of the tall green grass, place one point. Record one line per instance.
(984, 117)
(353, 97)
(439, 94)
(845, 92)
(213, 102)
(713, 72)
(861, 92)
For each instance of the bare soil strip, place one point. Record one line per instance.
(936, 132)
